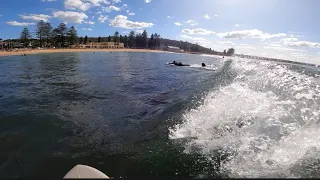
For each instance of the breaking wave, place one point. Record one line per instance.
(266, 122)
(208, 66)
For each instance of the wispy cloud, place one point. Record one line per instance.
(70, 16)
(125, 32)
(89, 22)
(111, 8)
(199, 40)
(226, 42)
(139, 31)
(198, 31)
(15, 23)
(102, 18)
(98, 2)
(207, 16)
(147, 1)
(86, 29)
(77, 5)
(130, 13)
(247, 34)
(295, 43)
(178, 24)
(192, 23)
(246, 46)
(36, 17)
(123, 22)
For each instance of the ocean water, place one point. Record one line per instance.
(131, 115)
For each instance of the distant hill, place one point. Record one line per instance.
(186, 46)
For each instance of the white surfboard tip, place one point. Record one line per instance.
(83, 171)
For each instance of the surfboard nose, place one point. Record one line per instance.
(83, 171)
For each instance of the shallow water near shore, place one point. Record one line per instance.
(131, 115)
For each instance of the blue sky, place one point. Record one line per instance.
(282, 29)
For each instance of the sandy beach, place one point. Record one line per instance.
(38, 51)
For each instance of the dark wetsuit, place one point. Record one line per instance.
(179, 64)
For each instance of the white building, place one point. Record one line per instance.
(100, 45)
(174, 49)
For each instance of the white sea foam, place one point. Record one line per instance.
(267, 119)
(208, 66)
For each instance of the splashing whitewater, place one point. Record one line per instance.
(267, 120)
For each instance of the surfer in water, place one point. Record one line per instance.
(179, 64)
(203, 65)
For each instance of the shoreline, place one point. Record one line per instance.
(40, 51)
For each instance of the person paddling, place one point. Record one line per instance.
(174, 62)
(179, 64)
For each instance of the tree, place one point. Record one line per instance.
(121, 39)
(63, 31)
(157, 40)
(131, 41)
(116, 37)
(25, 36)
(151, 43)
(85, 40)
(144, 42)
(54, 37)
(230, 52)
(195, 48)
(139, 41)
(81, 40)
(125, 41)
(99, 39)
(47, 32)
(60, 35)
(40, 31)
(109, 39)
(72, 35)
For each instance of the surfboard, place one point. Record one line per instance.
(83, 171)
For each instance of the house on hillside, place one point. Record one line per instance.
(174, 49)
(17, 45)
(3, 45)
(100, 45)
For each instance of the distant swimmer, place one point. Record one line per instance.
(173, 63)
(178, 64)
(24, 55)
(203, 65)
